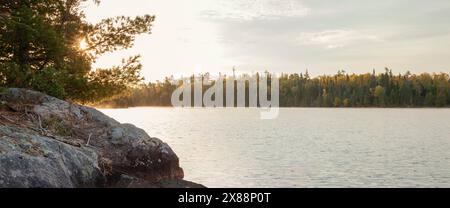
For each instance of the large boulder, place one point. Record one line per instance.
(30, 160)
(47, 142)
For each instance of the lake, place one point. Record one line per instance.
(304, 147)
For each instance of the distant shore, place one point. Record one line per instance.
(370, 107)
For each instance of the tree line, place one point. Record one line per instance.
(338, 90)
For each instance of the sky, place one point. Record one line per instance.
(291, 36)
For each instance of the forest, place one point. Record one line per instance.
(338, 90)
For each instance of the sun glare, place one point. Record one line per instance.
(83, 44)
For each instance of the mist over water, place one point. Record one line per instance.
(304, 147)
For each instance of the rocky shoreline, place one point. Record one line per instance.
(50, 143)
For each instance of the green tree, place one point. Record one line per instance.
(346, 102)
(40, 49)
(337, 102)
(379, 94)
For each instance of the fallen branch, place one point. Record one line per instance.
(89, 139)
(8, 119)
(40, 125)
(66, 141)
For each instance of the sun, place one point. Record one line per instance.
(83, 44)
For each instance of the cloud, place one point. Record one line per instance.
(330, 39)
(247, 10)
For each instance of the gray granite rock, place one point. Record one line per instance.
(47, 142)
(30, 160)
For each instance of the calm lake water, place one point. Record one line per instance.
(304, 147)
